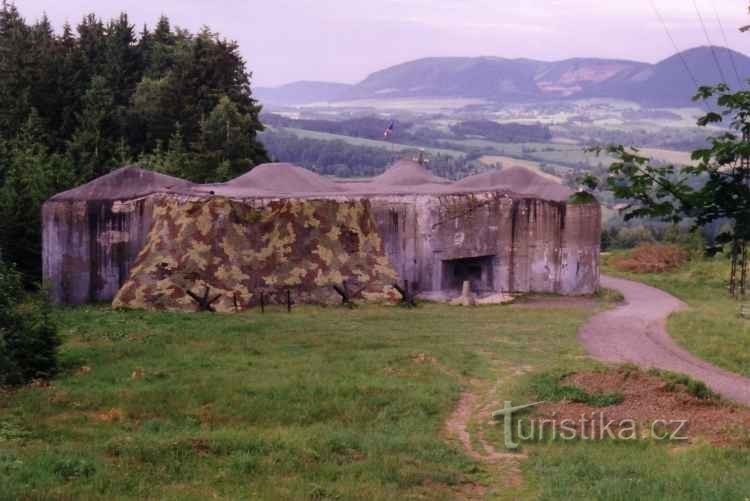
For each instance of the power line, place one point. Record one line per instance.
(710, 44)
(726, 44)
(674, 44)
(678, 51)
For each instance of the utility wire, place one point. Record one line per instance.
(726, 44)
(710, 45)
(674, 44)
(677, 49)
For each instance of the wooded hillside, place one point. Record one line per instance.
(77, 102)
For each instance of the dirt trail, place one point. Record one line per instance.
(458, 425)
(466, 425)
(636, 333)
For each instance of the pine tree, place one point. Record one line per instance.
(92, 43)
(33, 175)
(92, 147)
(77, 104)
(71, 85)
(224, 142)
(15, 77)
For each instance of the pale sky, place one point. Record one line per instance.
(344, 40)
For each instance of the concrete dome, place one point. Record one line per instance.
(125, 183)
(284, 178)
(408, 173)
(517, 180)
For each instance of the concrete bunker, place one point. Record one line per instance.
(282, 229)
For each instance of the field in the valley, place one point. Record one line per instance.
(358, 141)
(331, 404)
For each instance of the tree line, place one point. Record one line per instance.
(79, 102)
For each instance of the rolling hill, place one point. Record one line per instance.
(664, 84)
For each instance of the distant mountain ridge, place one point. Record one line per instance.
(302, 92)
(664, 84)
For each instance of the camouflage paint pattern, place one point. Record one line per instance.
(239, 250)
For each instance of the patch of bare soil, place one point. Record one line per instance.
(556, 302)
(110, 416)
(648, 399)
(651, 258)
(462, 426)
(423, 358)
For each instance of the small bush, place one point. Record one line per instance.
(28, 336)
(581, 198)
(651, 258)
(630, 237)
(68, 468)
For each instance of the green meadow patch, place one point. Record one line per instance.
(322, 403)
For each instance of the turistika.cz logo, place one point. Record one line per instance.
(594, 427)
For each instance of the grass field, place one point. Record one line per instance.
(358, 141)
(319, 404)
(669, 156)
(556, 154)
(712, 328)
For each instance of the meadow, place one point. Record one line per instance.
(322, 403)
(359, 141)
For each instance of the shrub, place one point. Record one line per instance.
(651, 258)
(629, 237)
(68, 468)
(582, 198)
(28, 336)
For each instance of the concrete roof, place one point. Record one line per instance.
(126, 183)
(287, 180)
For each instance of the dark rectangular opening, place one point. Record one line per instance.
(476, 270)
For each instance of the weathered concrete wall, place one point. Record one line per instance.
(89, 246)
(534, 245)
(581, 245)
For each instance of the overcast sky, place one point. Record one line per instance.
(344, 40)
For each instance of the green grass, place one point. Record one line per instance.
(640, 470)
(712, 328)
(320, 403)
(317, 404)
(550, 153)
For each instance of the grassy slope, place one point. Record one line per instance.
(322, 403)
(712, 327)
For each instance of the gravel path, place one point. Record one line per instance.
(636, 333)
